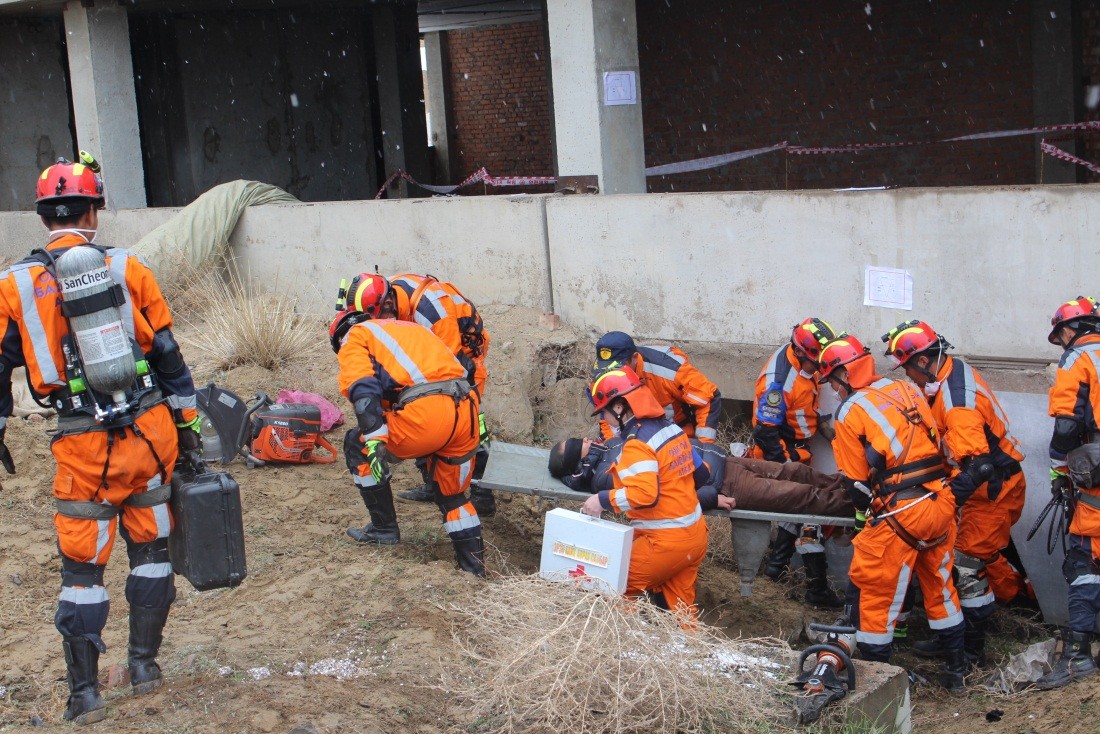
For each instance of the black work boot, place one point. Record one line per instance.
(82, 660)
(1076, 662)
(780, 558)
(470, 554)
(930, 648)
(953, 677)
(483, 500)
(146, 626)
(382, 528)
(818, 591)
(974, 641)
(424, 493)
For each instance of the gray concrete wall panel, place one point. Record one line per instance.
(34, 106)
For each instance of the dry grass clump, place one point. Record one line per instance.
(551, 657)
(237, 323)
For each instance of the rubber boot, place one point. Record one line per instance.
(146, 626)
(483, 500)
(470, 554)
(82, 661)
(930, 648)
(426, 491)
(974, 641)
(780, 558)
(382, 528)
(953, 677)
(1076, 662)
(818, 591)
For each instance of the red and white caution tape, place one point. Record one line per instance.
(1064, 156)
(479, 176)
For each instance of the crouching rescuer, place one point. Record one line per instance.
(412, 400)
(94, 333)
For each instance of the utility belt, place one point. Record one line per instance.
(457, 389)
(1085, 498)
(75, 421)
(914, 474)
(87, 510)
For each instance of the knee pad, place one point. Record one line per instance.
(140, 554)
(353, 450)
(971, 578)
(75, 573)
(1078, 563)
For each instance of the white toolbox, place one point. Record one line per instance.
(587, 550)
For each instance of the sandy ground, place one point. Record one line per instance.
(328, 636)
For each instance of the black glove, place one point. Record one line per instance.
(1061, 488)
(188, 436)
(5, 455)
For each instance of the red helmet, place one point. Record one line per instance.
(1074, 314)
(366, 294)
(67, 189)
(810, 336)
(612, 383)
(340, 326)
(838, 353)
(910, 338)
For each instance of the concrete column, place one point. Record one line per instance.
(435, 54)
(589, 38)
(104, 102)
(401, 93)
(1056, 85)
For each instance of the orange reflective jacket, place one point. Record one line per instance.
(784, 408)
(690, 400)
(440, 307)
(968, 415)
(1076, 396)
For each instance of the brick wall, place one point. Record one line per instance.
(500, 103)
(1089, 22)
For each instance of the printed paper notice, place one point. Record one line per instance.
(888, 288)
(619, 88)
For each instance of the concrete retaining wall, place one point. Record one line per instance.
(727, 274)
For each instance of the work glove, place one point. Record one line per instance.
(375, 452)
(861, 521)
(483, 431)
(825, 427)
(1061, 488)
(188, 436)
(5, 455)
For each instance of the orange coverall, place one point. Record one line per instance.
(440, 307)
(784, 410)
(1074, 405)
(885, 439)
(95, 464)
(380, 359)
(972, 423)
(689, 399)
(654, 486)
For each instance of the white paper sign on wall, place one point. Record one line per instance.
(619, 87)
(888, 288)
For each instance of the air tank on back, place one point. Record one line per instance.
(100, 336)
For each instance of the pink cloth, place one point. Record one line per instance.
(331, 416)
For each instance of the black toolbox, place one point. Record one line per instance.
(207, 543)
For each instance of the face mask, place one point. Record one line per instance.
(931, 388)
(837, 394)
(807, 375)
(80, 232)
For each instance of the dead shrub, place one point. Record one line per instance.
(236, 323)
(551, 657)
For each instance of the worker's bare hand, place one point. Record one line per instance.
(592, 506)
(726, 503)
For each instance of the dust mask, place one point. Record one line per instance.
(931, 389)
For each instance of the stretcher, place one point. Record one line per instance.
(522, 469)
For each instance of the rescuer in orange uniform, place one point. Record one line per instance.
(988, 481)
(412, 400)
(689, 399)
(440, 307)
(654, 485)
(887, 448)
(1075, 477)
(784, 419)
(114, 453)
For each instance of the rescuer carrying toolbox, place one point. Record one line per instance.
(95, 334)
(412, 400)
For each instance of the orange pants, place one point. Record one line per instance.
(132, 467)
(667, 561)
(984, 531)
(883, 564)
(433, 427)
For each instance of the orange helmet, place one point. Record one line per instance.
(614, 382)
(1081, 311)
(810, 336)
(67, 189)
(841, 351)
(910, 338)
(340, 326)
(366, 294)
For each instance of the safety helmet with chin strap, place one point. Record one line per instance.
(910, 339)
(1080, 314)
(845, 351)
(811, 336)
(68, 189)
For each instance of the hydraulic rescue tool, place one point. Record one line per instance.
(824, 684)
